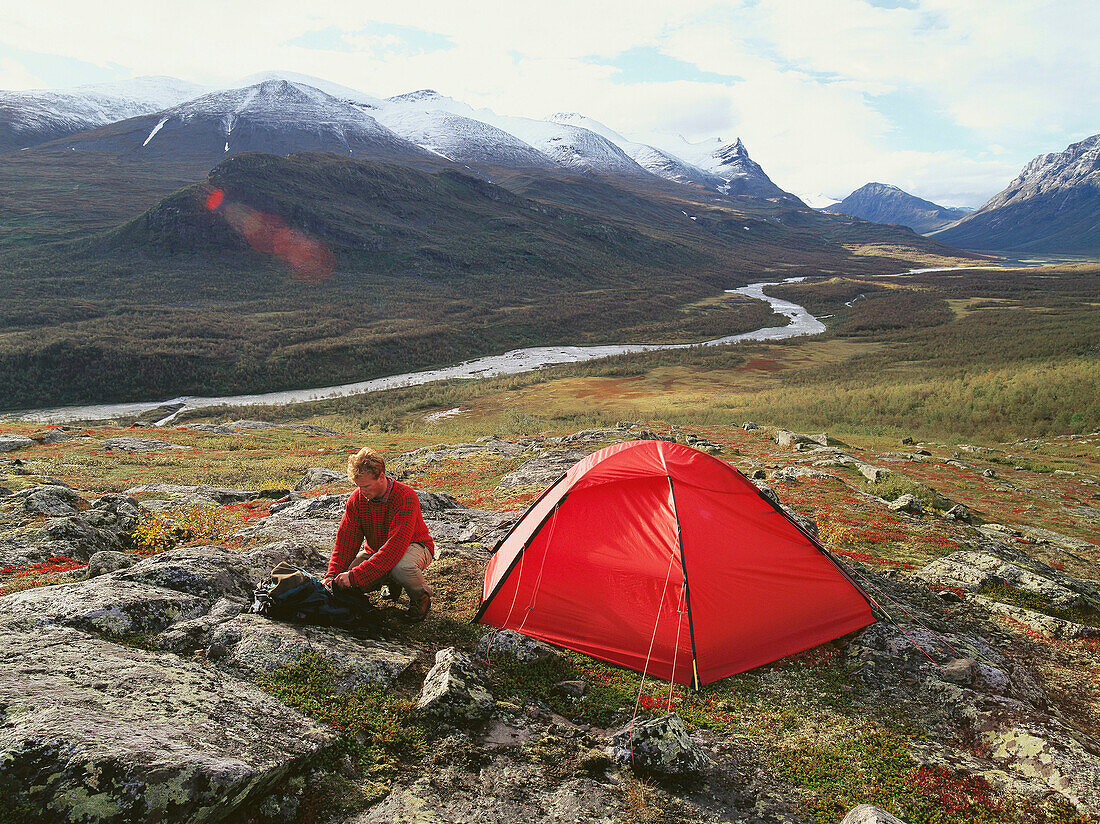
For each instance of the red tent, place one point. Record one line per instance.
(667, 560)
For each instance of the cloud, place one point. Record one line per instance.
(15, 76)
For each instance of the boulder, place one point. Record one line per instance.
(94, 731)
(873, 474)
(54, 501)
(319, 476)
(907, 503)
(138, 445)
(437, 501)
(253, 645)
(1046, 625)
(748, 426)
(9, 443)
(661, 745)
(74, 537)
(506, 643)
(454, 689)
(867, 814)
(959, 513)
(543, 470)
(51, 436)
(109, 561)
(971, 570)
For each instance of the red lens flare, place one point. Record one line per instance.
(309, 260)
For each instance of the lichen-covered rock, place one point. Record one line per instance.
(74, 537)
(873, 474)
(867, 814)
(54, 501)
(959, 513)
(97, 732)
(506, 643)
(972, 569)
(660, 745)
(253, 645)
(138, 445)
(103, 605)
(907, 503)
(190, 636)
(319, 476)
(1045, 625)
(201, 495)
(454, 689)
(109, 561)
(543, 470)
(9, 442)
(437, 501)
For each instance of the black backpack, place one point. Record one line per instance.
(292, 594)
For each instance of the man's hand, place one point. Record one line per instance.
(342, 581)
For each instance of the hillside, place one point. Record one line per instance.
(881, 203)
(1052, 207)
(358, 269)
(136, 591)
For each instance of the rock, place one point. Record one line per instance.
(138, 445)
(54, 501)
(907, 441)
(4, 492)
(9, 443)
(971, 570)
(97, 731)
(253, 645)
(1045, 625)
(748, 426)
(108, 560)
(319, 476)
(454, 690)
(506, 643)
(907, 503)
(437, 501)
(958, 671)
(51, 436)
(758, 475)
(988, 473)
(873, 474)
(660, 745)
(574, 689)
(866, 814)
(74, 537)
(1039, 535)
(543, 470)
(793, 473)
(201, 495)
(959, 513)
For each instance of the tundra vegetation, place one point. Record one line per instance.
(994, 375)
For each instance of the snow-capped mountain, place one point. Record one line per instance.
(729, 161)
(275, 116)
(1052, 206)
(655, 161)
(882, 203)
(33, 117)
(439, 124)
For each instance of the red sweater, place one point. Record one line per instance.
(388, 526)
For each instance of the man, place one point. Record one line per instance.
(386, 513)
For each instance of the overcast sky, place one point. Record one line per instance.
(947, 99)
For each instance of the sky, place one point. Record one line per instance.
(947, 99)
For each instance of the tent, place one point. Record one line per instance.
(667, 560)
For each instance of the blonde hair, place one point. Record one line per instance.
(365, 460)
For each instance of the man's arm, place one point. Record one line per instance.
(349, 537)
(402, 520)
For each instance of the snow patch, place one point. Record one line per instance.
(153, 133)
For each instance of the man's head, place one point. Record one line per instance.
(367, 470)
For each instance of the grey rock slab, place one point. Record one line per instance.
(109, 561)
(1040, 535)
(9, 442)
(454, 689)
(1045, 625)
(193, 635)
(660, 745)
(218, 495)
(253, 645)
(74, 537)
(53, 501)
(907, 503)
(543, 470)
(867, 814)
(972, 569)
(101, 605)
(509, 644)
(138, 445)
(794, 473)
(96, 732)
(319, 476)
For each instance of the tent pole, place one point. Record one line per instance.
(695, 685)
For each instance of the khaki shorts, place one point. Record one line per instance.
(408, 572)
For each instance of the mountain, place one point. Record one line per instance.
(882, 203)
(1052, 207)
(654, 160)
(33, 117)
(437, 123)
(731, 163)
(275, 116)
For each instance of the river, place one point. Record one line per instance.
(509, 363)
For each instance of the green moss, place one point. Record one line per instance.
(1006, 594)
